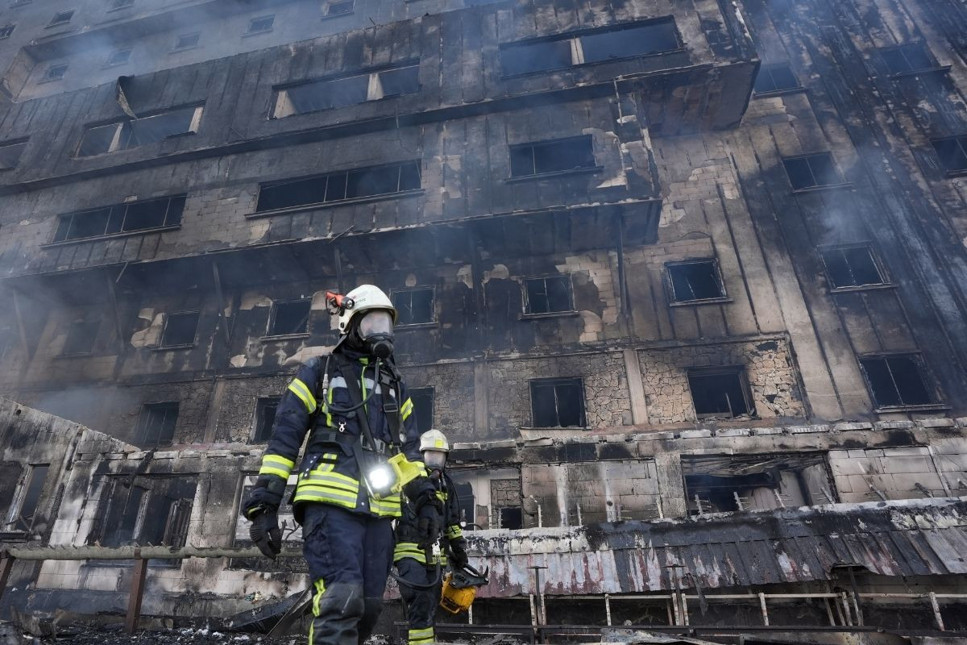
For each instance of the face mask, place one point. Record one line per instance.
(434, 459)
(376, 332)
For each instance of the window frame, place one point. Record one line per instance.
(65, 21)
(258, 429)
(534, 145)
(10, 144)
(769, 69)
(554, 382)
(432, 397)
(125, 124)
(528, 312)
(327, 9)
(669, 281)
(252, 22)
(164, 331)
(7, 30)
(95, 324)
(842, 183)
(961, 141)
(178, 47)
(273, 313)
(48, 78)
(927, 381)
(117, 5)
(740, 373)
(877, 264)
(15, 520)
(110, 62)
(142, 427)
(283, 107)
(902, 49)
(432, 322)
(174, 215)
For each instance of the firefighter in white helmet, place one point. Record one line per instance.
(363, 447)
(419, 569)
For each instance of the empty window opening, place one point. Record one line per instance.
(505, 503)
(10, 153)
(27, 497)
(896, 380)
(340, 186)
(696, 280)
(290, 318)
(260, 25)
(422, 407)
(61, 18)
(118, 57)
(55, 72)
(332, 93)
(265, 409)
(907, 58)
(952, 153)
(720, 393)
(551, 156)
(775, 78)
(125, 135)
(756, 482)
(338, 8)
(812, 171)
(187, 41)
(467, 505)
(548, 295)
(180, 329)
(121, 218)
(558, 403)
(145, 510)
(80, 337)
(156, 424)
(7, 30)
(851, 266)
(511, 518)
(600, 45)
(121, 4)
(413, 306)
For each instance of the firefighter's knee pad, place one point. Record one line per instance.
(340, 600)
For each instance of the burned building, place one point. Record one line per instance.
(684, 280)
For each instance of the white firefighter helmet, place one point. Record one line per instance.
(364, 298)
(434, 440)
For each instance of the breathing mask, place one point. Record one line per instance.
(434, 459)
(376, 332)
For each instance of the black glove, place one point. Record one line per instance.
(266, 534)
(458, 557)
(429, 524)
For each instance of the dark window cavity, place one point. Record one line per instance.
(55, 72)
(339, 186)
(540, 158)
(121, 4)
(147, 510)
(511, 518)
(187, 41)
(80, 337)
(896, 380)
(290, 318)
(422, 407)
(118, 57)
(32, 487)
(952, 153)
(61, 18)
(10, 154)
(600, 45)
(694, 280)
(338, 8)
(265, 409)
(413, 306)
(7, 30)
(156, 425)
(121, 218)
(558, 403)
(260, 25)
(907, 58)
(180, 329)
(775, 78)
(720, 393)
(332, 93)
(851, 266)
(467, 504)
(812, 171)
(548, 295)
(124, 135)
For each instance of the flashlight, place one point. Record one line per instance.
(380, 480)
(384, 478)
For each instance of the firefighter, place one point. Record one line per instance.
(419, 570)
(354, 406)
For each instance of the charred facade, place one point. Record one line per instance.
(665, 270)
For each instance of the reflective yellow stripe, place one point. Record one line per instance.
(388, 507)
(324, 478)
(276, 465)
(302, 391)
(407, 408)
(454, 531)
(420, 636)
(327, 496)
(320, 585)
(409, 550)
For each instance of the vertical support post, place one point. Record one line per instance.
(6, 565)
(607, 608)
(846, 612)
(677, 608)
(137, 592)
(856, 597)
(219, 296)
(936, 611)
(765, 612)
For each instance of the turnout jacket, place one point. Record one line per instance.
(329, 472)
(407, 532)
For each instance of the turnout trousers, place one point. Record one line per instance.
(421, 604)
(349, 556)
